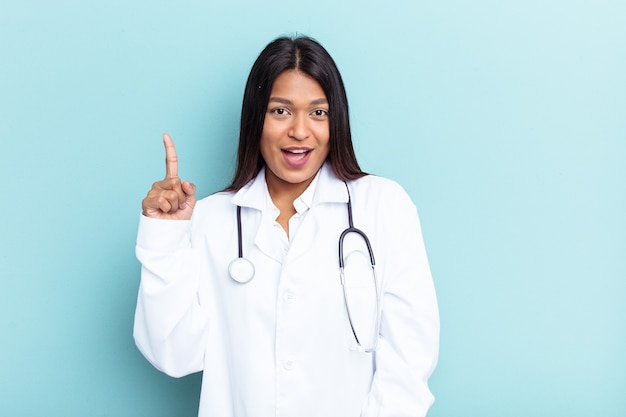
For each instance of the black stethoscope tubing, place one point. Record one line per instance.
(242, 270)
(352, 229)
(239, 232)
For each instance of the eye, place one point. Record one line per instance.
(320, 114)
(279, 111)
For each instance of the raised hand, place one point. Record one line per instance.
(170, 198)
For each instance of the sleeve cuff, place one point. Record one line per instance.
(163, 235)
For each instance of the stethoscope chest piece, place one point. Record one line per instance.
(241, 270)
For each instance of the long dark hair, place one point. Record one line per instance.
(308, 56)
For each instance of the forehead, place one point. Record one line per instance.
(293, 83)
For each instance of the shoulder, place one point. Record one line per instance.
(214, 205)
(379, 188)
(218, 198)
(382, 198)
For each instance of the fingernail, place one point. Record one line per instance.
(183, 206)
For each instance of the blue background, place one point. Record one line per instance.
(505, 121)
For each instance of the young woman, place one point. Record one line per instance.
(303, 289)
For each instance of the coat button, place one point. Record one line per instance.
(289, 297)
(288, 365)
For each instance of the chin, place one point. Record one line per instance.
(298, 177)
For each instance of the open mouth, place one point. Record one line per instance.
(296, 156)
(297, 152)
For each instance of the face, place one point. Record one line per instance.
(295, 138)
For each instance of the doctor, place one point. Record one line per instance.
(252, 286)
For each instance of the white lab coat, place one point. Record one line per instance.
(281, 345)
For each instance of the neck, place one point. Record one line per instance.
(282, 192)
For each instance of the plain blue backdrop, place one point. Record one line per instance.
(505, 121)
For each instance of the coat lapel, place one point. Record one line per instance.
(254, 196)
(329, 189)
(255, 202)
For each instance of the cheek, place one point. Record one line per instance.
(326, 140)
(323, 133)
(268, 147)
(270, 132)
(264, 146)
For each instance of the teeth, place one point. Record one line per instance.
(297, 151)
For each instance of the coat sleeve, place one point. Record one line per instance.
(409, 334)
(170, 321)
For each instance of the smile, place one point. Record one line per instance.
(296, 157)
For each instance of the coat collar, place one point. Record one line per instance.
(329, 189)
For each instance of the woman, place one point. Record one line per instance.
(290, 333)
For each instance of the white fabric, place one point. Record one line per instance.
(301, 204)
(281, 344)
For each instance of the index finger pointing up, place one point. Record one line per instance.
(171, 160)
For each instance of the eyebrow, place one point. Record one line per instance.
(290, 103)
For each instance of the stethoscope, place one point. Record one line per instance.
(241, 270)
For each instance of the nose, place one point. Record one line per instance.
(299, 129)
